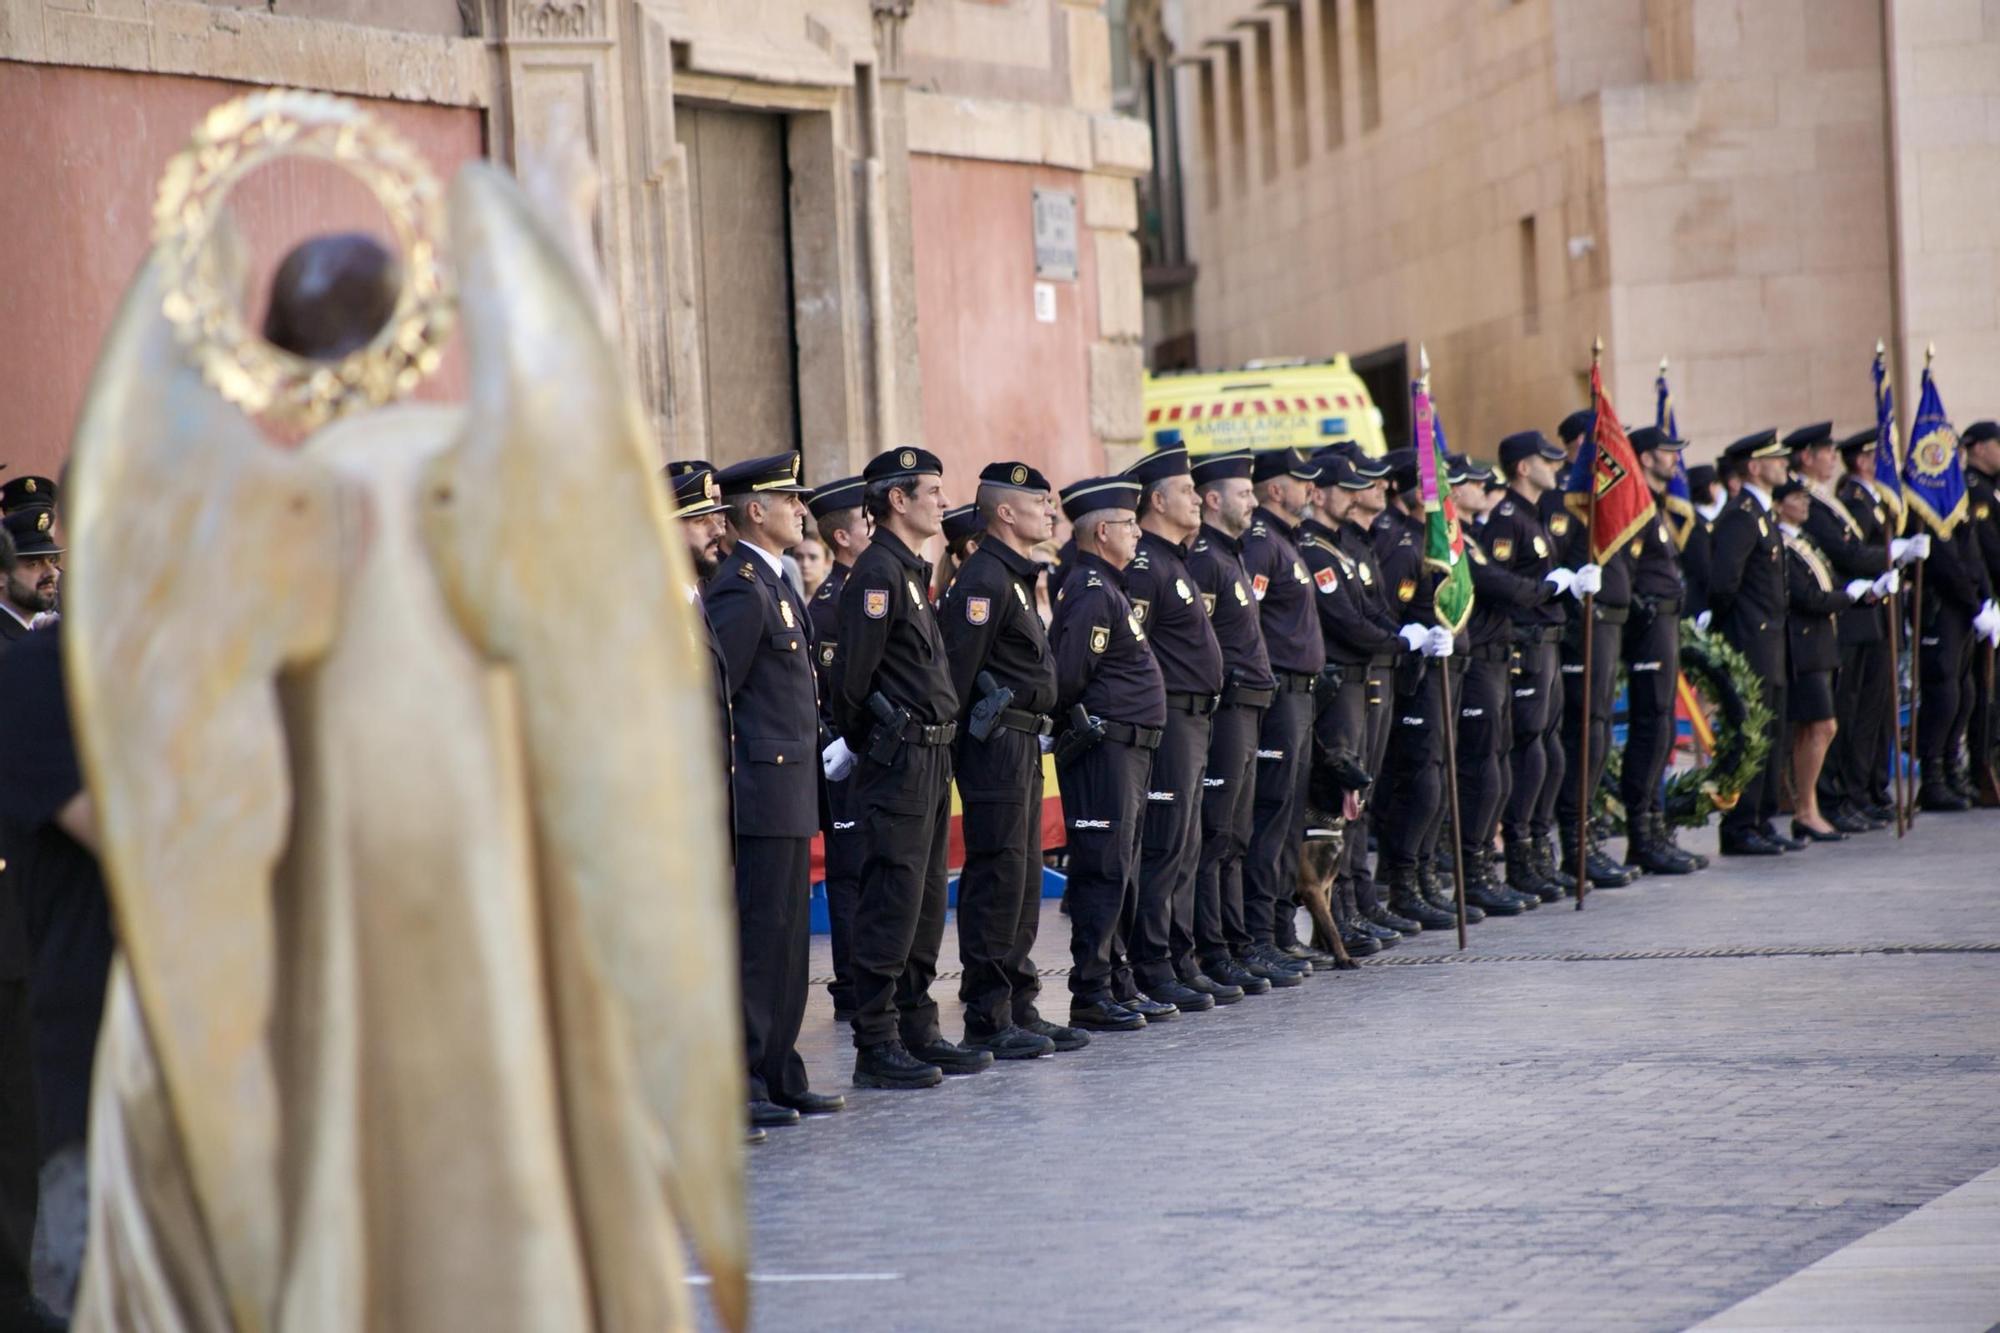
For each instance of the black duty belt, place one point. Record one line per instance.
(1295, 682)
(1491, 652)
(1611, 615)
(1146, 738)
(1019, 719)
(1662, 606)
(1545, 634)
(1382, 660)
(1201, 705)
(1247, 696)
(918, 733)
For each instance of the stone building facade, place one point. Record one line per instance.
(831, 224)
(1756, 189)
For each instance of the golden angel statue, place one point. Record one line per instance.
(424, 1013)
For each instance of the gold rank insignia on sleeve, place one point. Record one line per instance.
(1503, 549)
(743, 571)
(1406, 590)
(1100, 638)
(785, 614)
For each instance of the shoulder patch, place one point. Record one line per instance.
(1140, 605)
(1327, 579)
(1100, 638)
(826, 654)
(1559, 524)
(875, 603)
(1406, 590)
(1258, 583)
(1982, 511)
(978, 610)
(1208, 604)
(1503, 548)
(1504, 507)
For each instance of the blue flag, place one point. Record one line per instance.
(1888, 447)
(1934, 471)
(1680, 496)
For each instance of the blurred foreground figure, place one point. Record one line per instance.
(424, 1016)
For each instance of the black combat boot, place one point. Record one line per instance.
(1668, 834)
(889, 1064)
(1489, 896)
(1525, 876)
(1555, 870)
(1937, 794)
(1494, 882)
(1405, 900)
(1382, 935)
(1647, 849)
(1441, 892)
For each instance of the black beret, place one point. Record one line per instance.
(757, 476)
(1017, 476)
(1979, 432)
(1221, 467)
(1861, 439)
(1095, 493)
(33, 529)
(25, 492)
(1577, 424)
(1757, 444)
(1805, 437)
(908, 461)
(962, 522)
(1171, 461)
(836, 496)
(1789, 486)
(1648, 438)
(1281, 463)
(694, 491)
(1527, 444)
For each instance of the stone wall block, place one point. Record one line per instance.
(1121, 145)
(1110, 203)
(1117, 410)
(1121, 297)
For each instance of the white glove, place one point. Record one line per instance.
(1987, 621)
(836, 760)
(1561, 579)
(1701, 621)
(1414, 636)
(1888, 585)
(1859, 588)
(1437, 642)
(1920, 546)
(1589, 579)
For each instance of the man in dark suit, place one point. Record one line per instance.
(766, 640)
(845, 528)
(1866, 690)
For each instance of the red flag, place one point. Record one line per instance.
(1624, 500)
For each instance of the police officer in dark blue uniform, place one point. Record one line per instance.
(897, 709)
(696, 503)
(1111, 703)
(1748, 597)
(1651, 645)
(843, 526)
(1005, 675)
(1981, 442)
(766, 642)
(1163, 596)
(1284, 594)
(1861, 758)
(1207, 947)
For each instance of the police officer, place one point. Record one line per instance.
(1413, 805)
(1865, 690)
(1356, 628)
(1005, 674)
(897, 710)
(1164, 600)
(696, 502)
(766, 644)
(1111, 703)
(1283, 592)
(1747, 597)
(1958, 611)
(1516, 539)
(1485, 699)
(1696, 553)
(1981, 442)
(1814, 597)
(1207, 947)
(844, 526)
(26, 492)
(1651, 645)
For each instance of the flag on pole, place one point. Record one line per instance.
(1888, 446)
(1607, 464)
(1680, 496)
(1934, 471)
(1444, 543)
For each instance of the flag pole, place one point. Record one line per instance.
(1450, 709)
(1898, 784)
(1589, 639)
(1916, 626)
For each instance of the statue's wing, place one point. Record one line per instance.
(201, 562)
(556, 550)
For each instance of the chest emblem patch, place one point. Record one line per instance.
(1503, 549)
(785, 614)
(1180, 586)
(826, 654)
(1208, 602)
(875, 603)
(1139, 608)
(978, 610)
(916, 593)
(1258, 583)
(1763, 528)
(1541, 545)
(1100, 638)
(1299, 572)
(1327, 579)
(1367, 575)
(1021, 595)
(1406, 590)
(1242, 599)
(1133, 620)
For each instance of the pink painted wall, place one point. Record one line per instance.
(998, 384)
(81, 157)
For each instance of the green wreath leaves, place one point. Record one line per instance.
(1723, 676)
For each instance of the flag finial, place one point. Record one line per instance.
(1424, 364)
(1597, 350)
(1663, 365)
(1930, 353)
(1880, 347)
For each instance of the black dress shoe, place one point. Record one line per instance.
(1066, 1039)
(1010, 1043)
(951, 1057)
(1186, 999)
(1363, 944)
(813, 1103)
(1276, 975)
(1229, 972)
(1939, 797)
(1606, 873)
(1883, 812)
(770, 1115)
(1852, 821)
(1806, 833)
(1388, 920)
(1219, 991)
(1153, 1011)
(1752, 843)
(843, 1015)
(1785, 844)
(889, 1064)
(1105, 1016)
(754, 1135)
(1493, 904)
(1273, 956)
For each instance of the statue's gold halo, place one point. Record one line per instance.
(232, 141)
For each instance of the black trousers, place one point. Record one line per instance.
(1537, 756)
(1603, 688)
(845, 851)
(773, 925)
(1000, 886)
(1485, 736)
(1862, 705)
(1415, 798)
(1228, 800)
(1341, 728)
(1945, 711)
(1278, 820)
(1104, 802)
(20, 1149)
(904, 811)
(1377, 695)
(1652, 645)
(1757, 806)
(1979, 736)
(1169, 857)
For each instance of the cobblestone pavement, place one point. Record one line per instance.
(1542, 1136)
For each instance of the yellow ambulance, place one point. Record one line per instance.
(1270, 404)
